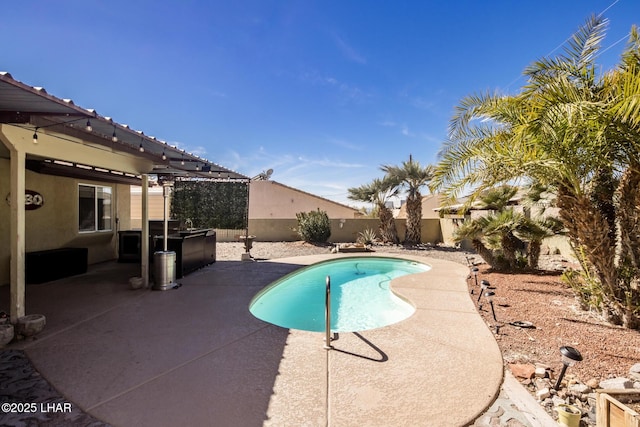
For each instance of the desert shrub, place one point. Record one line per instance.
(367, 236)
(314, 226)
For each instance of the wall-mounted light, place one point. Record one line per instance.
(89, 127)
(35, 136)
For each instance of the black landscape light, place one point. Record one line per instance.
(570, 356)
(490, 295)
(475, 270)
(484, 284)
(470, 260)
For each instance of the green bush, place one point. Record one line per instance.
(314, 226)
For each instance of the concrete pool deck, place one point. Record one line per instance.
(196, 356)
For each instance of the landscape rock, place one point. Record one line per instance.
(580, 388)
(593, 383)
(543, 394)
(634, 372)
(616, 383)
(522, 370)
(540, 372)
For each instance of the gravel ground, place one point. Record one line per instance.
(232, 251)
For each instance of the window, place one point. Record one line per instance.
(94, 208)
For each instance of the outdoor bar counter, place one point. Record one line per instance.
(194, 249)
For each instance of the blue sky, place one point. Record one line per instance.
(323, 93)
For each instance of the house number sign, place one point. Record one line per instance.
(32, 200)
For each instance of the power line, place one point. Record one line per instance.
(569, 38)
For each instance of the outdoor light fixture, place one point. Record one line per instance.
(164, 156)
(483, 287)
(470, 260)
(114, 138)
(35, 136)
(570, 356)
(182, 161)
(141, 148)
(197, 166)
(89, 127)
(490, 296)
(475, 274)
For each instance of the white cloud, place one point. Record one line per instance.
(348, 51)
(347, 92)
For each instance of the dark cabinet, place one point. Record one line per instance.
(194, 249)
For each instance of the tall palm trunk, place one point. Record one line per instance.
(485, 253)
(589, 229)
(388, 231)
(510, 245)
(628, 194)
(533, 254)
(414, 220)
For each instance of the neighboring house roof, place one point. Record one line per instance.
(283, 201)
(34, 109)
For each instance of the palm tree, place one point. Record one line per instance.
(534, 232)
(473, 230)
(577, 133)
(412, 177)
(508, 235)
(378, 192)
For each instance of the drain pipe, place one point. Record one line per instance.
(327, 315)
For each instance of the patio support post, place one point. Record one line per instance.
(144, 244)
(17, 233)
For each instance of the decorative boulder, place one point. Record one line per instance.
(6, 334)
(30, 325)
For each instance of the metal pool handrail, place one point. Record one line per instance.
(327, 315)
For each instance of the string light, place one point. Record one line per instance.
(89, 127)
(35, 136)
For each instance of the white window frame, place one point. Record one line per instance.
(96, 220)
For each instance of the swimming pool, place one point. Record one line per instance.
(360, 295)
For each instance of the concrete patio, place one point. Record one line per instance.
(196, 356)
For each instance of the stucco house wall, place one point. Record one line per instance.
(55, 224)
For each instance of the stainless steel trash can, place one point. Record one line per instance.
(164, 270)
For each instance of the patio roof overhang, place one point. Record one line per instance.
(31, 110)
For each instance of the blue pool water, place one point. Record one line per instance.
(360, 295)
